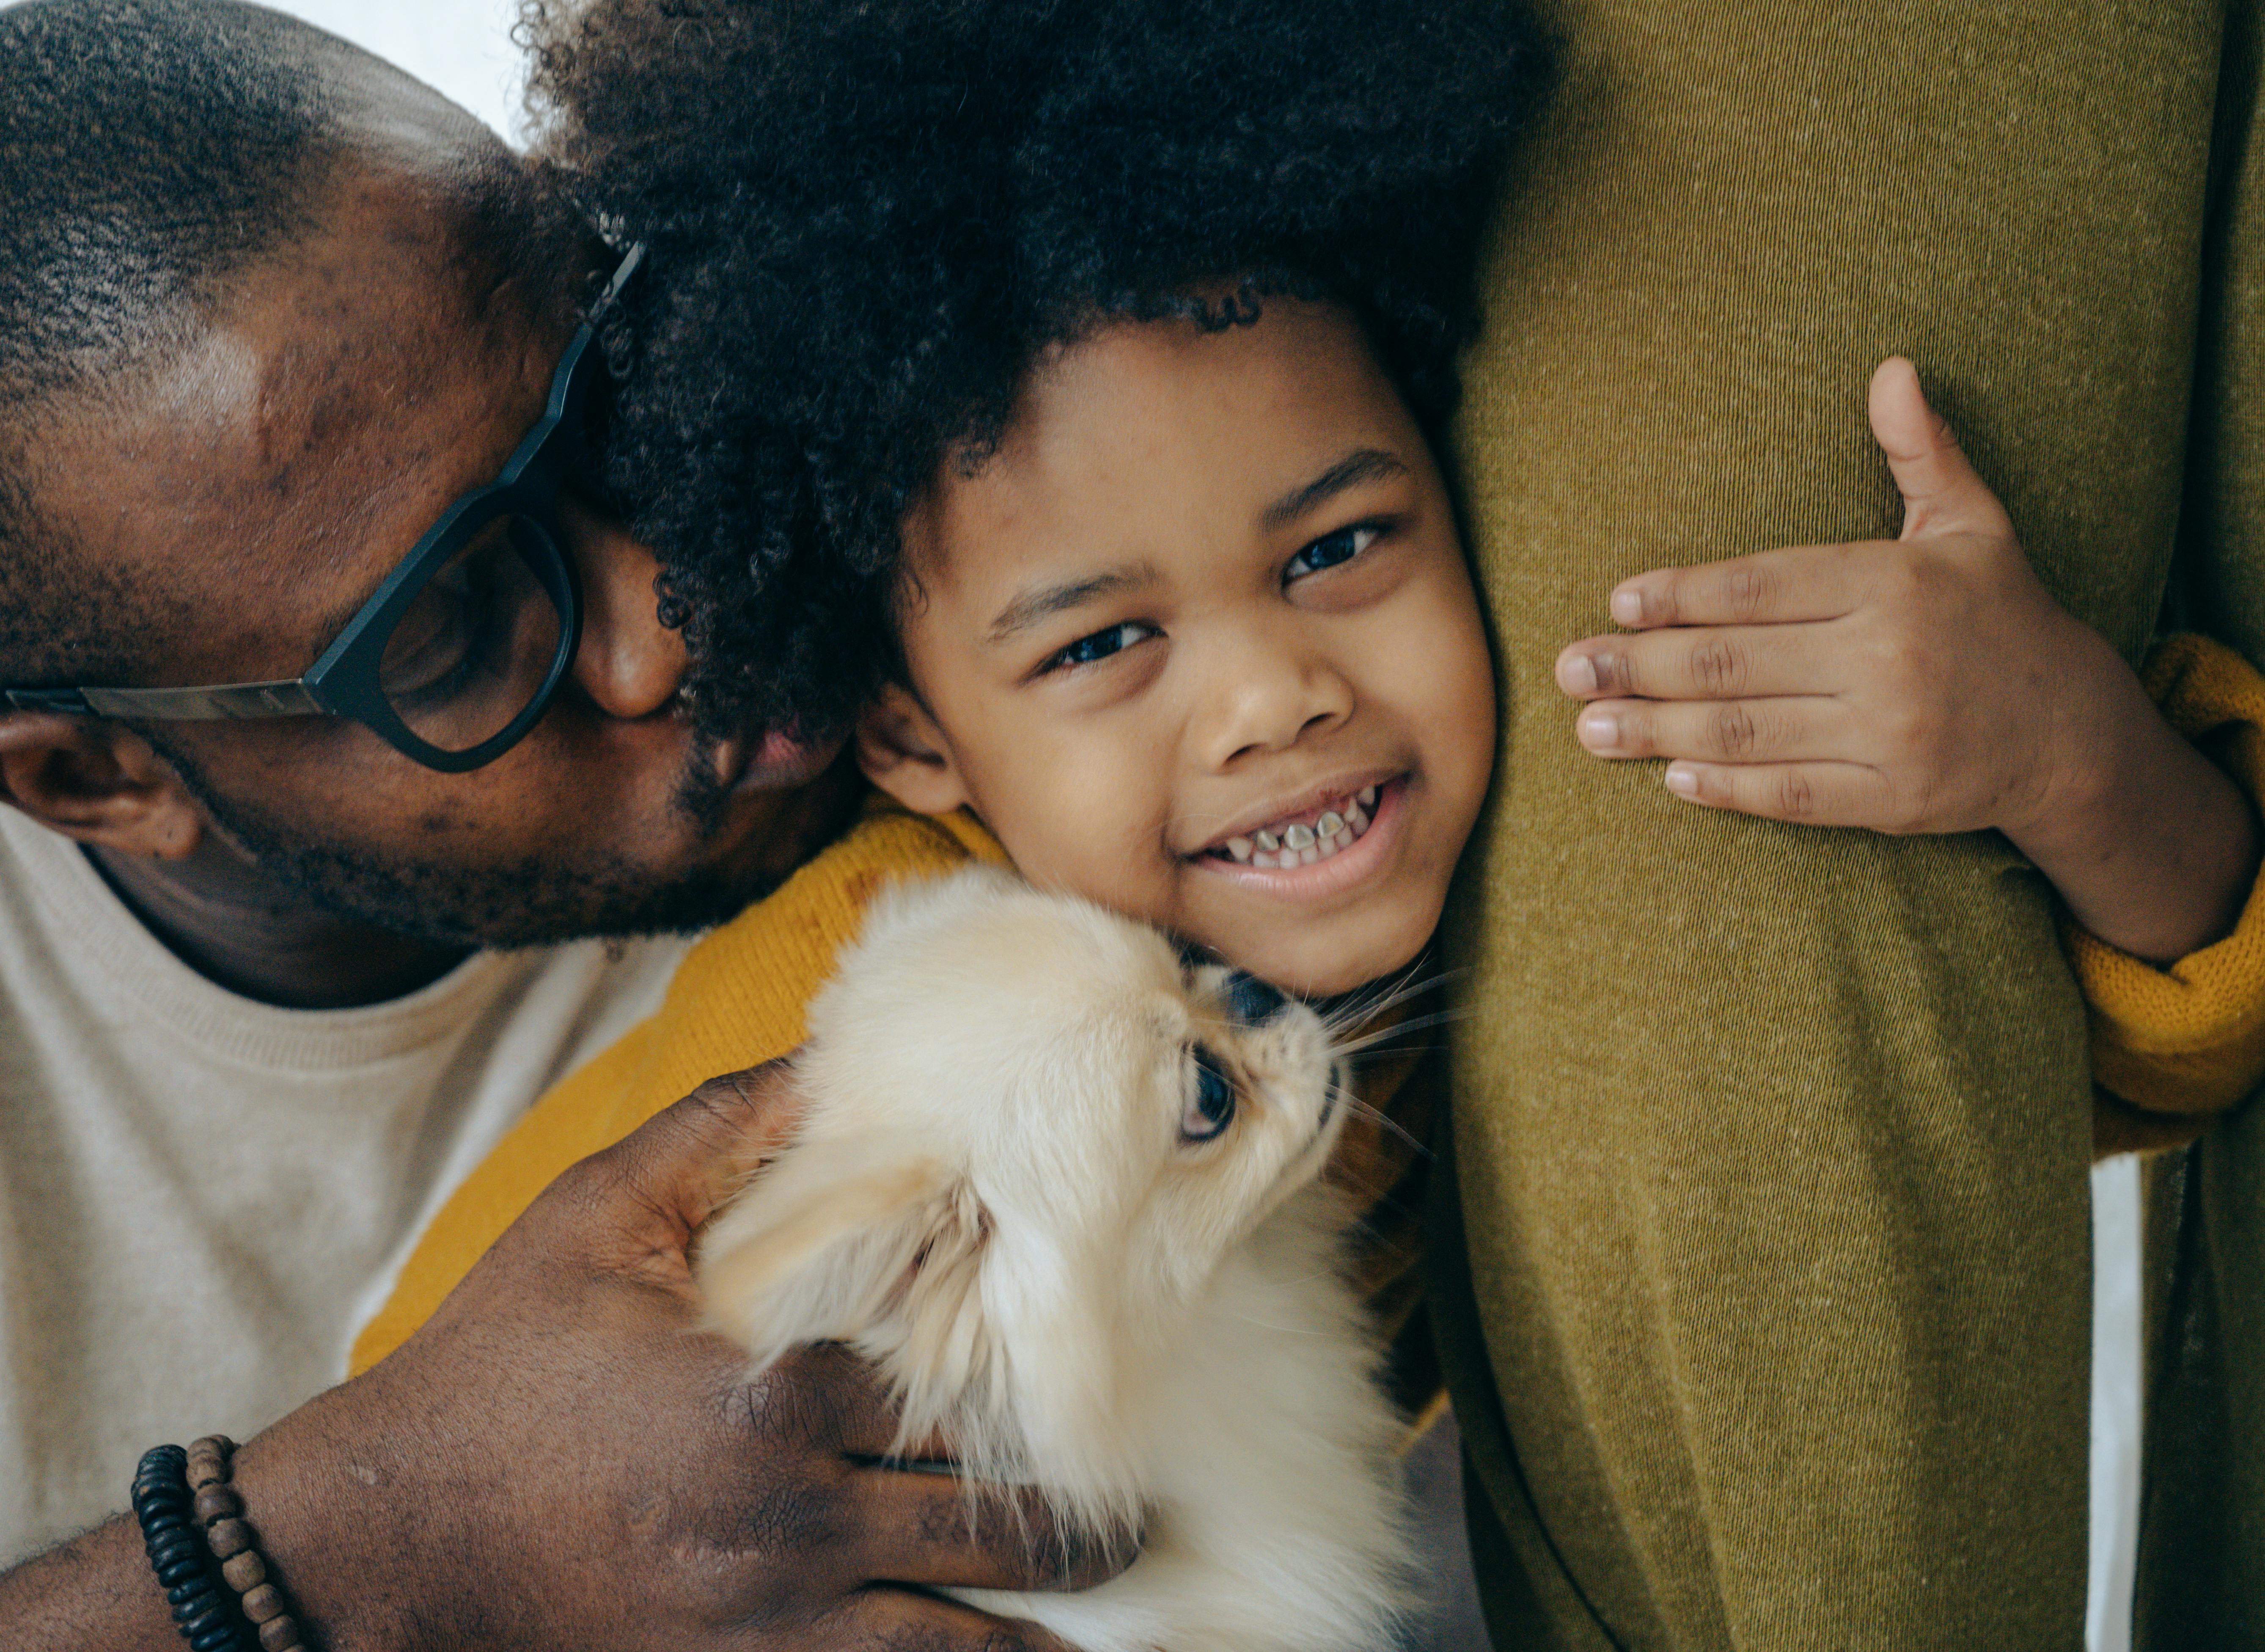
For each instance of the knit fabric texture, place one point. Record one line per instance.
(1769, 1318)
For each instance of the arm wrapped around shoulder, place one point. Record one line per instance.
(2173, 1045)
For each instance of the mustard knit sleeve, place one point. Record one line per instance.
(2187, 1040)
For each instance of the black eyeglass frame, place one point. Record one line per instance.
(344, 682)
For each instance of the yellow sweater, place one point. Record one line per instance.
(2170, 1047)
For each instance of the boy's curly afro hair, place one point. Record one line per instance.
(866, 219)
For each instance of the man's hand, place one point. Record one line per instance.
(1927, 685)
(561, 1459)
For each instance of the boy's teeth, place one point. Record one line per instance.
(1303, 845)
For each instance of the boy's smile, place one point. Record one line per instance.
(1197, 643)
(1285, 855)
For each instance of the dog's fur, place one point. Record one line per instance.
(991, 1197)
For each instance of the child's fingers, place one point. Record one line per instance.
(1942, 493)
(1793, 729)
(1774, 587)
(1705, 663)
(1806, 794)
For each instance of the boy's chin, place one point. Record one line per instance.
(1330, 959)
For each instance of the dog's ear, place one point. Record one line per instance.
(888, 1259)
(781, 1265)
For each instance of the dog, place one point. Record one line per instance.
(1058, 1185)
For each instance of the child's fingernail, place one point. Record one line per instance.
(1576, 673)
(1600, 728)
(1684, 783)
(1627, 607)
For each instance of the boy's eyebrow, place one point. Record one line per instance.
(1363, 464)
(1044, 601)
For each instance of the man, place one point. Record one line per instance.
(269, 313)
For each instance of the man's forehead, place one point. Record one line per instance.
(291, 451)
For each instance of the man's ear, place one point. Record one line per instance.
(903, 753)
(97, 783)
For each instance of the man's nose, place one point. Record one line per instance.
(630, 664)
(1272, 691)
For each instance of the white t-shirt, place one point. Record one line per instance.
(203, 1199)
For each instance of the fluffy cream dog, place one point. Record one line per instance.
(1059, 1185)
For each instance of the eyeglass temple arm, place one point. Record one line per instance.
(628, 267)
(235, 703)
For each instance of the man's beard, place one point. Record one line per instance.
(532, 903)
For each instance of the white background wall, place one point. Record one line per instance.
(464, 49)
(462, 46)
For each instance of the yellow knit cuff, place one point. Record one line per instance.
(2189, 1038)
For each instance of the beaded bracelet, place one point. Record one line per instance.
(204, 1611)
(219, 1509)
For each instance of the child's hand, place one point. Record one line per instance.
(1927, 685)
(1907, 687)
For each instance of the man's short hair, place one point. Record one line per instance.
(151, 151)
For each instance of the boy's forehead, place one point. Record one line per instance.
(1149, 443)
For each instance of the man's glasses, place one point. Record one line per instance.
(459, 653)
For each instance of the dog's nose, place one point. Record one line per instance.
(1251, 999)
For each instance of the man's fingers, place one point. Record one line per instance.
(1942, 493)
(1806, 794)
(661, 1183)
(1786, 730)
(694, 1156)
(920, 1525)
(1702, 663)
(901, 1620)
(1773, 587)
(824, 1397)
(937, 1530)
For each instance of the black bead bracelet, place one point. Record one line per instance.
(205, 1609)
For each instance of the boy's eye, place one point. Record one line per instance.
(1331, 549)
(1099, 646)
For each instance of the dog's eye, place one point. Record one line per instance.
(1211, 1108)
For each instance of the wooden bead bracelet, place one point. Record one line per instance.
(203, 1611)
(219, 1510)
(206, 1555)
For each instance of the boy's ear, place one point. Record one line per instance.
(903, 753)
(98, 783)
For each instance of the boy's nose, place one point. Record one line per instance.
(1269, 698)
(630, 664)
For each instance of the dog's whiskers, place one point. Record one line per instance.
(1359, 1108)
(1384, 1035)
(1367, 1003)
(1268, 1324)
